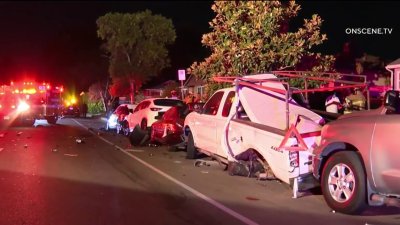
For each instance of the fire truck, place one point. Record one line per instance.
(24, 102)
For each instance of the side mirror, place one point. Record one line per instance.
(391, 100)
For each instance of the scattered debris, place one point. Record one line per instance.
(54, 150)
(333, 211)
(245, 168)
(151, 154)
(26, 146)
(134, 150)
(72, 155)
(252, 198)
(19, 133)
(177, 161)
(138, 137)
(204, 171)
(264, 176)
(199, 163)
(79, 141)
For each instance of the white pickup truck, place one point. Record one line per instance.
(259, 120)
(257, 115)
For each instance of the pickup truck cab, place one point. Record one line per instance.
(256, 117)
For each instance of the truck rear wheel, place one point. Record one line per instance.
(343, 183)
(191, 150)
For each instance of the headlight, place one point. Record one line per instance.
(22, 106)
(112, 121)
(113, 117)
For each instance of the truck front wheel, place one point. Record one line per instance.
(191, 150)
(343, 183)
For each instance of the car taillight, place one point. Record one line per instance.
(172, 128)
(294, 158)
(155, 109)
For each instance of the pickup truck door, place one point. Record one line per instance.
(221, 121)
(385, 154)
(206, 123)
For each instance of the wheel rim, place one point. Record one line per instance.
(341, 183)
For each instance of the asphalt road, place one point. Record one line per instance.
(47, 177)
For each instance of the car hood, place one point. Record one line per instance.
(364, 113)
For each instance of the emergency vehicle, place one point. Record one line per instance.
(24, 102)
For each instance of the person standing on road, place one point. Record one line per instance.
(333, 104)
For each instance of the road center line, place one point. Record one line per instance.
(184, 186)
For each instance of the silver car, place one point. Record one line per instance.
(358, 159)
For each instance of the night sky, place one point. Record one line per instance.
(57, 41)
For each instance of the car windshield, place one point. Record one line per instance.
(168, 102)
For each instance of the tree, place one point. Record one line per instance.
(96, 95)
(251, 37)
(136, 44)
(120, 87)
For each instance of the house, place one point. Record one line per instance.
(157, 91)
(394, 69)
(195, 86)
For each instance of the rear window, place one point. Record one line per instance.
(167, 102)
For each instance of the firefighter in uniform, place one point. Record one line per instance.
(356, 101)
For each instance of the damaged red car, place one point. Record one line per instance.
(169, 129)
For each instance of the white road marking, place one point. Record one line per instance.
(184, 186)
(134, 150)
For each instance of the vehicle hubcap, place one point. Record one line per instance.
(341, 183)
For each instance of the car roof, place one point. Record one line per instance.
(152, 99)
(130, 106)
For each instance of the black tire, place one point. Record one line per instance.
(191, 150)
(345, 192)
